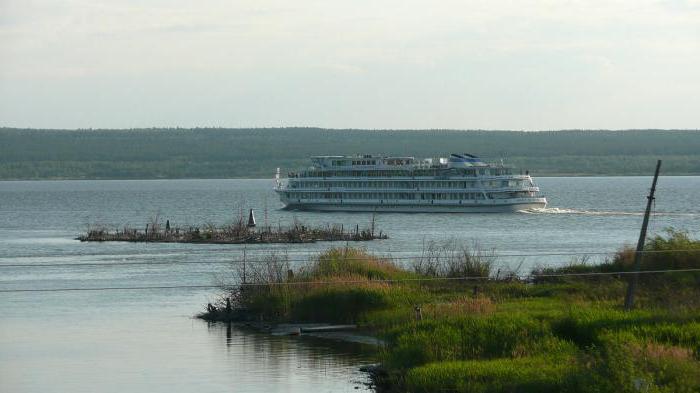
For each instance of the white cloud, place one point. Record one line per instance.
(361, 63)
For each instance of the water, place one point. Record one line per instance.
(146, 340)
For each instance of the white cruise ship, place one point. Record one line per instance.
(460, 183)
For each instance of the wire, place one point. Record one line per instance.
(264, 261)
(108, 288)
(296, 283)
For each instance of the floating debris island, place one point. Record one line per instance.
(240, 232)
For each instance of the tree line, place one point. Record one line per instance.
(256, 152)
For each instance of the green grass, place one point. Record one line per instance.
(622, 362)
(568, 335)
(585, 326)
(594, 350)
(532, 374)
(473, 337)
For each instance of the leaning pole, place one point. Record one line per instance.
(632, 287)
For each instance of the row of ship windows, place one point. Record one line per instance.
(385, 195)
(403, 184)
(404, 173)
(391, 161)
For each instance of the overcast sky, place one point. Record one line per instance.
(530, 65)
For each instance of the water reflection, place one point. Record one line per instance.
(263, 362)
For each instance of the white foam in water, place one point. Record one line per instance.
(557, 210)
(551, 210)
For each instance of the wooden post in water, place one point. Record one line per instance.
(244, 252)
(632, 287)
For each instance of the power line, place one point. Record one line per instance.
(379, 281)
(108, 288)
(283, 259)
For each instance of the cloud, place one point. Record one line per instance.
(455, 63)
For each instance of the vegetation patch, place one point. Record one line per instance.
(501, 331)
(531, 374)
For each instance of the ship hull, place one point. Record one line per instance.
(487, 207)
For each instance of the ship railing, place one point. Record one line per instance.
(320, 175)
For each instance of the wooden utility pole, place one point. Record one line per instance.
(632, 287)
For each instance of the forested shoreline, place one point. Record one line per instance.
(156, 153)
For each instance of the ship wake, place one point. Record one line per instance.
(558, 210)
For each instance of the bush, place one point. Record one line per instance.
(454, 260)
(339, 262)
(340, 304)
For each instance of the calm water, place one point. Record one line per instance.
(146, 340)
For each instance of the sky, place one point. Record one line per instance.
(377, 64)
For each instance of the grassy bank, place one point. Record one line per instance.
(541, 332)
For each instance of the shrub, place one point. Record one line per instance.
(344, 304)
(454, 260)
(338, 262)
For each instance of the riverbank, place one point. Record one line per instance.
(452, 324)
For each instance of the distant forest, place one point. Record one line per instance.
(255, 153)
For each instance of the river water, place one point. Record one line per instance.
(147, 341)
